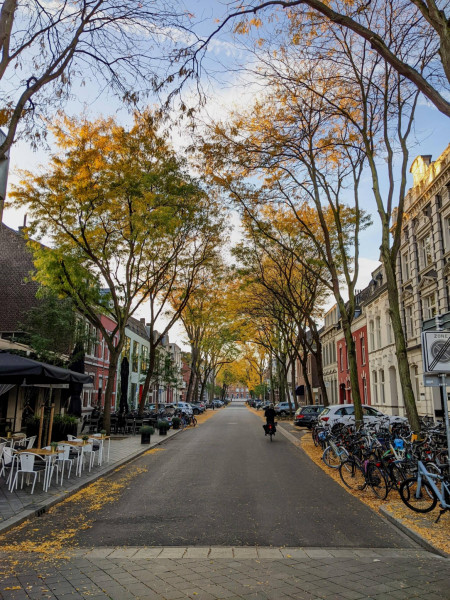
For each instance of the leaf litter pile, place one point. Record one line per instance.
(437, 534)
(43, 547)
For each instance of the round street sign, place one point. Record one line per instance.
(436, 351)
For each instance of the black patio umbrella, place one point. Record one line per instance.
(75, 388)
(124, 374)
(19, 370)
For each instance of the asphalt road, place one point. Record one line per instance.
(225, 483)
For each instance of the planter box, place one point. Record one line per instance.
(145, 438)
(163, 431)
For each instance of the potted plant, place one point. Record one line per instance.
(103, 433)
(163, 426)
(54, 446)
(176, 422)
(146, 431)
(85, 439)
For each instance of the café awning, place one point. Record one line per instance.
(25, 371)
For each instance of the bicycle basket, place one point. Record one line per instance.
(398, 444)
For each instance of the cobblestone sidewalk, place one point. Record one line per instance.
(231, 573)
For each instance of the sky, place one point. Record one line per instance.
(227, 88)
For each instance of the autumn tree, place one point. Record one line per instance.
(269, 257)
(113, 204)
(335, 107)
(303, 157)
(427, 67)
(47, 50)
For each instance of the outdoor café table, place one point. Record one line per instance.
(14, 439)
(78, 445)
(49, 457)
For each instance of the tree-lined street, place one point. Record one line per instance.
(186, 516)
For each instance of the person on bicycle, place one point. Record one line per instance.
(270, 415)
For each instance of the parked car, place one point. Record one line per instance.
(186, 408)
(305, 416)
(283, 409)
(345, 413)
(198, 407)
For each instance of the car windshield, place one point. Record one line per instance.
(324, 412)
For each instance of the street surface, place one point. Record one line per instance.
(217, 512)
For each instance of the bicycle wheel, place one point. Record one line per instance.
(270, 435)
(194, 421)
(315, 437)
(422, 501)
(396, 475)
(377, 481)
(352, 475)
(330, 458)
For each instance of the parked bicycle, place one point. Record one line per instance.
(422, 493)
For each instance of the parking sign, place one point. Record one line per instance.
(436, 351)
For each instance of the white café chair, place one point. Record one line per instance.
(26, 465)
(8, 462)
(86, 452)
(62, 459)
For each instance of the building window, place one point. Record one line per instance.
(426, 251)
(371, 336)
(362, 341)
(144, 359)
(447, 232)
(364, 382)
(382, 394)
(388, 328)
(405, 266)
(409, 322)
(378, 331)
(375, 387)
(341, 360)
(415, 381)
(429, 306)
(135, 356)
(126, 347)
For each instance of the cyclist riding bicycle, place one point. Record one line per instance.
(270, 415)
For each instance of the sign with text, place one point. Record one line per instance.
(436, 351)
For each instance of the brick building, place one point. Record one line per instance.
(17, 291)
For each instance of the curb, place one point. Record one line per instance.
(37, 512)
(412, 534)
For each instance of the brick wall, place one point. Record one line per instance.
(17, 296)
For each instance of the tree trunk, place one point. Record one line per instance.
(323, 387)
(194, 354)
(148, 378)
(353, 369)
(400, 344)
(294, 395)
(112, 371)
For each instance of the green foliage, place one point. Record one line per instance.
(147, 429)
(163, 424)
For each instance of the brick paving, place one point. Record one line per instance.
(214, 573)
